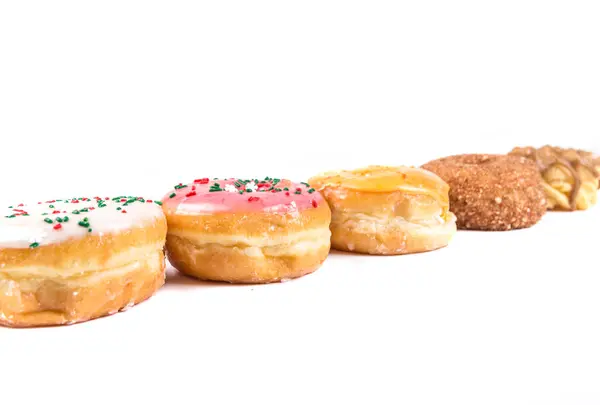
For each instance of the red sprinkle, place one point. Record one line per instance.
(123, 200)
(107, 198)
(287, 193)
(20, 205)
(56, 212)
(250, 199)
(314, 203)
(75, 202)
(57, 226)
(91, 208)
(205, 180)
(124, 211)
(148, 201)
(191, 194)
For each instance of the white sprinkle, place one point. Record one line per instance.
(231, 188)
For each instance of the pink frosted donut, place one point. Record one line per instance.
(246, 231)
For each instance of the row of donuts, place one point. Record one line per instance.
(76, 259)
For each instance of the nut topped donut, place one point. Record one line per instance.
(72, 260)
(246, 231)
(492, 192)
(384, 210)
(571, 176)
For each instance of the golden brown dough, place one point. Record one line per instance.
(387, 210)
(83, 276)
(246, 231)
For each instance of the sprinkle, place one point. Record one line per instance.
(83, 223)
(298, 192)
(34, 245)
(89, 229)
(287, 193)
(56, 212)
(248, 190)
(314, 203)
(191, 194)
(48, 220)
(204, 180)
(124, 212)
(311, 190)
(172, 195)
(286, 189)
(57, 226)
(157, 202)
(119, 208)
(179, 186)
(306, 184)
(59, 219)
(251, 199)
(66, 219)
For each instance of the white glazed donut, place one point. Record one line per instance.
(68, 261)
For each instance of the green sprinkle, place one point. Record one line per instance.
(51, 206)
(311, 190)
(241, 192)
(83, 223)
(118, 208)
(59, 219)
(66, 219)
(180, 186)
(306, 184)
(248, 190)
(11, 216)
(84, 210)
(172, 195)
(34, 245)
(286, 189)
(48, 220)
(90, 230)
(45, 213)
(76, 212)
(158, 202)
(10, 206)
(298, 192)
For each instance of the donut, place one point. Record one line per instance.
(383, 210)
(492, 192)
(73, 260)
(246, 231)
(570, 176)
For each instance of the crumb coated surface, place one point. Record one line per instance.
(492, 192)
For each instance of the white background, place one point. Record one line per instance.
(124, 97)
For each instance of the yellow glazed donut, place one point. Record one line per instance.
(387, 210)
(68, 261)
(246, 231)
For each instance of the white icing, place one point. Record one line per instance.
(22, 231)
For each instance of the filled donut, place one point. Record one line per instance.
(387, 210)
(492, 192)
(68, 261)
(246, 231)
(571, 177)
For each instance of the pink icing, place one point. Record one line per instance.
(197, 198)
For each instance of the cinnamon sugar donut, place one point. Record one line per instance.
(69, 261)
(246, 231)
(492, 192)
